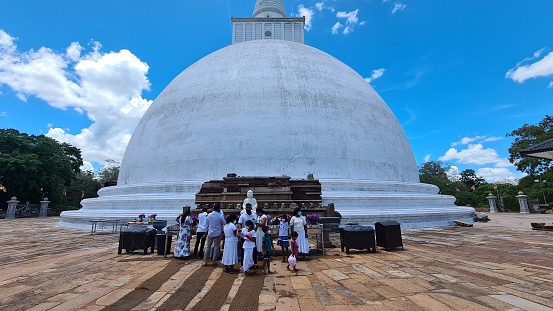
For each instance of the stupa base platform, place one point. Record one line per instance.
(413, 205)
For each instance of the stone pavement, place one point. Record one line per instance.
(499, 265)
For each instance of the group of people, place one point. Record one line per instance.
(247, 237)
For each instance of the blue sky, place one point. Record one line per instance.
(458, 75)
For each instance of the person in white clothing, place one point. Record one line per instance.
(230, 252)
(299, 224)
(283, 241)
(261, 223)
(249, 246)
(215, 224)
(201, 231)
(248, 215)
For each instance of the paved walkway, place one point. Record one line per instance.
(499, 265)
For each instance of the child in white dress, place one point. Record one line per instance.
(249, 245)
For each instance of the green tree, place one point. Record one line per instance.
(34, 166)
(469, 178)
(83, 183)
(537, 190)
(74, 155)
(433, 169)
(110, 172)
(525, 137)
(435, 173)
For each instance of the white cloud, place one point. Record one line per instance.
(453, 173)
(351, 21)
(534, 56)
(475, 154)
(398, 7)
(492, 138)
(550, 84)
(107, 86)
(319, 5)
(336, 27)
(427, 157)
(73, 52)
(351, 16)
(538, 53)
(497, 175)
(308, 14)
(412, 117)
(87, 166)
(466, 140)
(5, 39)
(375, 75)
(482, 139)
(541, 68)
(3, 114)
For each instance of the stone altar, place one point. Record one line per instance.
(270, 192)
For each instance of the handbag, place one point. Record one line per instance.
(189, 237)
(292, 260)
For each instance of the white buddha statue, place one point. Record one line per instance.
(249, 199)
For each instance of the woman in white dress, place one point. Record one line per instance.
(299, 225)
(261, 223)
(249, 246)
(230, 252)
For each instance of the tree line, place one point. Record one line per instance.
(35, 167)
(470, 189)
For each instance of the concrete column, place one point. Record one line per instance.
(493, 203)
(43, 208)
(10, 214)
(523, 202)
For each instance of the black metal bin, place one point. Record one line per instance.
(388, 234)
(163, 247)
(134, 240)
(357, 237)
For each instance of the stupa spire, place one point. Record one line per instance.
(269, 22)
(269, 8)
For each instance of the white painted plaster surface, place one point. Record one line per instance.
(271, 8)
(271, 108)
(267, 109)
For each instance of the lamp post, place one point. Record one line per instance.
(542, 190)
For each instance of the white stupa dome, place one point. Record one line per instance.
(268, 108)
(272, 107)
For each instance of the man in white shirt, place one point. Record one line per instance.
(248, 215)
(215, 224)
(201, 233)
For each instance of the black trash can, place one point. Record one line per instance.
(160, 240)
(388, 234)
(357, 237)
(135, 239)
